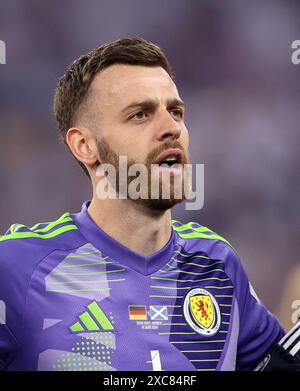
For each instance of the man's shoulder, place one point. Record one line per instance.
(21, 241)
(200, 242)
(196, 237)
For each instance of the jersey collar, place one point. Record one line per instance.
(116, 251)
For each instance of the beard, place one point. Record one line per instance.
(154, 179)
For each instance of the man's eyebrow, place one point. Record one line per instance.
(152, 104)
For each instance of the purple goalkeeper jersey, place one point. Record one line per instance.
(74, 299)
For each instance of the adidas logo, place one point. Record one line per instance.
(92, 320)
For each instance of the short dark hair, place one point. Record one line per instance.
(73, 86)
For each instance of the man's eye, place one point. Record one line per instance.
(139, 115)
(177, 113)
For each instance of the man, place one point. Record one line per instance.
(121, 286)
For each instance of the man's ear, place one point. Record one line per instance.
(82, 144)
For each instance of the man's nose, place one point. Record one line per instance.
(169, 128)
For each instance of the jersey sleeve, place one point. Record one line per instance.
(22, 248)
(17, 259)
(8, 346)
(8, 342)
(259, 330)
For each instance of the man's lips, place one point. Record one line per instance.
(175, 169)
(176, 152)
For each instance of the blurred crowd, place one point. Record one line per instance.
(232, 62)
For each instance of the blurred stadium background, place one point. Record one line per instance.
(232, 62)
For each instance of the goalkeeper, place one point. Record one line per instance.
(120, 285)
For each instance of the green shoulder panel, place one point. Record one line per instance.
(49, 229)
(193, 230)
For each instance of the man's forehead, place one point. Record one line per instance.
(120, 81)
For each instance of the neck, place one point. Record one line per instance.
(133, 225)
